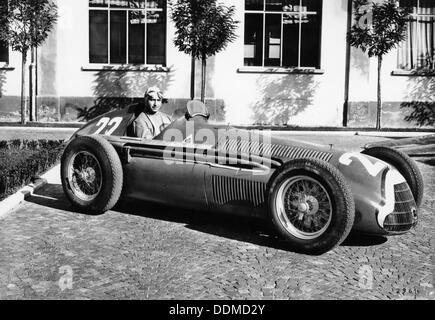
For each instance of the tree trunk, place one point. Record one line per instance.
(23, 82)
(192, 79)
(32, 86)
(203, 78)
(379, 106)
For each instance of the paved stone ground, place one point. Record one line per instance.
(145, 251)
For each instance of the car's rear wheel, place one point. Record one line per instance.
(405, 165)
(91, 174)
(311, 205)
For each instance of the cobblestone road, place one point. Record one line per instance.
(144, 251)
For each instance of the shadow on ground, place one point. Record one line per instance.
(362, 240)
(427, 161)
(51, 196)
(244, 229)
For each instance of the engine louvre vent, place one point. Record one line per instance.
(294, 153)
(271, 150)
(229, 189)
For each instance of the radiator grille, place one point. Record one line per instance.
(404, 216)
(229, 189)
(271, 150)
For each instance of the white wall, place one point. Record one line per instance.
(73, 46)
(395, 90)
(363, 79)
(242, 92)
(12, 86)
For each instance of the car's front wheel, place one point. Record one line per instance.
(311, 205)
(91, 174)
(405, 165)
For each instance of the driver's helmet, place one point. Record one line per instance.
(156, 90)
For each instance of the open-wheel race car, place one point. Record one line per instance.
(313, 196)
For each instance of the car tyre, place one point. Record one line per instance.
(311, 205)
(91, 174)
(404, 164)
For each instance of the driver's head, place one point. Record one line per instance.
(153, 100)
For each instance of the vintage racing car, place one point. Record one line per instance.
(312, 195)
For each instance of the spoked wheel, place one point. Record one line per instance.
(311, 205)
(91, 174)
(85, 175)
(304, 207)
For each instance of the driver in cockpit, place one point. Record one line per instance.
(150, 121)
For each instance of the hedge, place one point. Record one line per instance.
(21, 161)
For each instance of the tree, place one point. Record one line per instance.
(203, 28)
(24, 25)
(379, 27)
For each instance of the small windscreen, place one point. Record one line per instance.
(196, 107)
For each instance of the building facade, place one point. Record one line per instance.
(290, 65)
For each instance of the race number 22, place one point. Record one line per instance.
(109, 124)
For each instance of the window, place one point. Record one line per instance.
(4, 52)
(127, 32)
(418, 50)
(283, 33)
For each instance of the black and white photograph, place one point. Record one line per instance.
(224, 152)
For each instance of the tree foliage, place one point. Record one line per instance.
(203, 27)
(379, 27)
(26, 23)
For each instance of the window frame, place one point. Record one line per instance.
(134, 66)
(281, 68)
(413, 69)
(6, 47)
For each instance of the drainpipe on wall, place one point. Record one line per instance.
(32, 85)
(347, 71)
